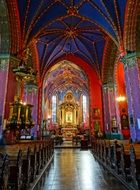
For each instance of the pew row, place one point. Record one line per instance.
(120, 158)
(4, 171)
(24, 161)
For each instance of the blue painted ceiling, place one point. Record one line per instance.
(78, 27)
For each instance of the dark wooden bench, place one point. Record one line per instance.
(38, 159)
(125, 162)
(24, 162)
(135, 165)
(20, 165)
(107, 152)
(120, 157)
(33, 163)
(4, 171)
(15, 177)
(26, 168)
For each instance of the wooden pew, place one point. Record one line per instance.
(35, 156)
(99, 153)
(33, 163)
(93, 145)
(20, 170)
(97, 150)
(15, 178)
(26, 168)
(38, 159)
(116, 157)
(50, 148)
(125, 162)
(130, 164)
(135, 165)
(25, 165)
(42, 154)
(103, 150)
(45, 153)
(122, 158)
(107, 152)
(4, 171)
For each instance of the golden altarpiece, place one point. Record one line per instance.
(20, 115)
(69, 116)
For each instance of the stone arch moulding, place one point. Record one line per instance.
(15, 29)
(108, 63)
(95, 93)
(4, 29)
(4, 58)
(130, 26)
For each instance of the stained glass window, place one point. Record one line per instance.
(54, 109)
(84, 108)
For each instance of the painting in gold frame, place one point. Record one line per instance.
(96, 113)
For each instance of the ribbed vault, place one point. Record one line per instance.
(65, 76)
(58, 28)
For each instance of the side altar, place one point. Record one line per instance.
(20, 114)
(20, 120)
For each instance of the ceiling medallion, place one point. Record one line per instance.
(72, 11)
(71, 33)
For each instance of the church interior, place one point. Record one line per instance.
(69, 94)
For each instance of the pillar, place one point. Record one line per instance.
(31, 97)
(4, 69)
(74, 116)
(111, 114)
(132, 77)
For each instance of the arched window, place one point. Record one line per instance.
(54, 109)
(84, 108)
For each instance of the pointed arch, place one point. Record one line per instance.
(132, 18)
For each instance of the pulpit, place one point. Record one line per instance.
(20, 118)
(20, 114)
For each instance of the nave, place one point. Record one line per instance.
(69, 75)
(74, 169)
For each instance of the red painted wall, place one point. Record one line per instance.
(122, 91)
(11, 91)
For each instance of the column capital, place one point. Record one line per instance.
(4, 56)
(31, 87)
(130, 59)
(14, 61)
(109, 86)
(4, 62)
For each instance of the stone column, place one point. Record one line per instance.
(31, 97)
(110, 107)
(74, 116)
(4, 69)
(132, 77)
(63, 116)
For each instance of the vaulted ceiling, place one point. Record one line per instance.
(79, 27)
(65, 76)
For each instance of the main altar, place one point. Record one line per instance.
(69, 116)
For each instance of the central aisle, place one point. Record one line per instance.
(73, 169)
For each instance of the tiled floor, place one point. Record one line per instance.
(74, 169)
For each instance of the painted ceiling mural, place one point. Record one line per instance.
(79, 27)
(65, 76)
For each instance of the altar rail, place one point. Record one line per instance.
(121, 158)
(22, 162)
